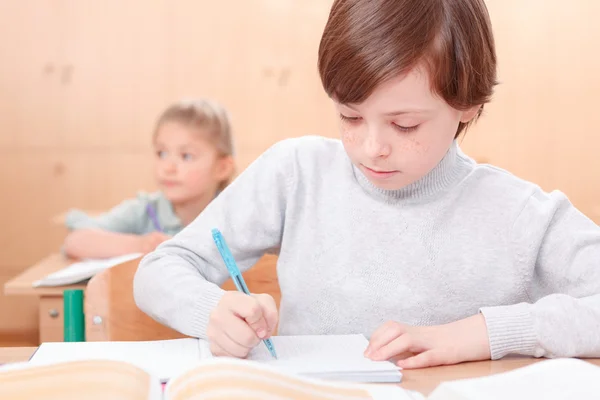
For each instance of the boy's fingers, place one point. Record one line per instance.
(239, 332)
(398, 346)
(230, 348)
(260, 327)
(423, 360)
(218, 351)
(269, 311)
(252, 312)
(384, 335)
(246, 307)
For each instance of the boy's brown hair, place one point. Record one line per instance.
(367, 42)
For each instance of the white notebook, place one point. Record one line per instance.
(83, 270)
(334, 357)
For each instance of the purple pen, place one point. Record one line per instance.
(152, 214)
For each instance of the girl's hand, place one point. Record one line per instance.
(428, 346)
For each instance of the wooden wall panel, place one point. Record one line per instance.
(116, 72)
(30, 50)
(260, 62)
(50, 182)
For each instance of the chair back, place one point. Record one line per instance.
(112, 315)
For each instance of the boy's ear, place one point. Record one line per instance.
(470, 113)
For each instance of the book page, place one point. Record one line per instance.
(78, 380)
(162, 358)
(230, 378)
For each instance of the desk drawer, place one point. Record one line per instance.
(51, 319)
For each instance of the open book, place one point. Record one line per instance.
(225, 378)
(216, 378)
(333, 357)
(82, 270)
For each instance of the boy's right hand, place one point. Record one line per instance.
(240, 322)
(150, 241)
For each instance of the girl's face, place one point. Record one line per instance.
(400, 132)
(187, 167)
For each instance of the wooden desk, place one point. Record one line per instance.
(15, 354)
(422, 380)
(51, 298)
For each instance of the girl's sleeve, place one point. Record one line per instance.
(127, 217)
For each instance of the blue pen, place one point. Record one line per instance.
(236, 275)
(152, 214)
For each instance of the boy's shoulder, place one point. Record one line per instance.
(508, 188)
(492, 175)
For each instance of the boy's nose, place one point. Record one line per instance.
(376, 146)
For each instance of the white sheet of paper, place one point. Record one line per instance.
(326, 355)
(83, 270)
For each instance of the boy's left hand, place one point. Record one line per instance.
(428, 346)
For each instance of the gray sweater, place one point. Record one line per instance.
(466, 238)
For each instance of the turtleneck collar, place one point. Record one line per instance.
(453, 167)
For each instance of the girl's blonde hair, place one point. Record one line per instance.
(207, 117)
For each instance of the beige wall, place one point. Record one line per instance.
(544, 123)
(81, 84)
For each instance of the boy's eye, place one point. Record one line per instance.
(349, 119)
(187, 156)
(405, 129)
(161, 154)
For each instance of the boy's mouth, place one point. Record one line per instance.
(379, 174)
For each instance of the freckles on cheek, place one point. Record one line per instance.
(348, 137)
(416, 146)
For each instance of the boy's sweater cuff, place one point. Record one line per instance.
(510, 330)
(204, 306)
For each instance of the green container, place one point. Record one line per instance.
(74, 322)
